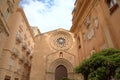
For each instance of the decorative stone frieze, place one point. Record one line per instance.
(90, 34)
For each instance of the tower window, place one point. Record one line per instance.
(113, 5)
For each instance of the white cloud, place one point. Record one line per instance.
(49, 14)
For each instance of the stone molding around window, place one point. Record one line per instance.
(61, 40)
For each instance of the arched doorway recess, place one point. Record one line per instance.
(57, 65)
(60, 72)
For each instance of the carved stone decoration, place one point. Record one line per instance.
(10, 4)
(18, 37)
(24, 45)
(28, 51)
(96, 22)
(87, 22)
(90, 34)
(61, 40)
(15, 51)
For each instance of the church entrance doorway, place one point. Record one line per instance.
(58, 69)
(60, 72)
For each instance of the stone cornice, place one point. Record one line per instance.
(26, 21)
(82, 13)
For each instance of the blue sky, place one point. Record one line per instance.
(49, 15)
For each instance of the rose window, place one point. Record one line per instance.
(61, 40)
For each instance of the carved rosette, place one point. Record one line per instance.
(61, 40)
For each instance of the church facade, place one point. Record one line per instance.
(55, 56)
(95, 26)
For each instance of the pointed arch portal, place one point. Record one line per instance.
(59, 69)
(60, 72)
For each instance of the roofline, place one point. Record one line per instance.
(19, 9)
